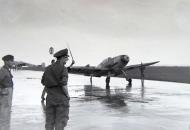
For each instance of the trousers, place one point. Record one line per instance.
(5, 109)
(57, 116)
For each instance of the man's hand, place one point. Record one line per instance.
(65, 91)
(42, 99)
(73, 62)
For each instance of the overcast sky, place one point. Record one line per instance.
(146, 30)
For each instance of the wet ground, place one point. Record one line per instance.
(158, 106)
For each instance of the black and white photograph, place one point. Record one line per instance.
(94, 65)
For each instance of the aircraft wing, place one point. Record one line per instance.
(88, 71)
(21, 63)
(179, 74)
(27, 66)
(98, 72)
(131, 67)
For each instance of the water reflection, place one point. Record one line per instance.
(142, 92)
(112, 97)
(115, 97)
(128, 87)
(5, 110)
(114, 101)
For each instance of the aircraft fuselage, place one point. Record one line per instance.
(117, 62)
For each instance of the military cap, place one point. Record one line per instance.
(61, 53)
(8, 58)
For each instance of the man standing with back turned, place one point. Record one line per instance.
(55, 79)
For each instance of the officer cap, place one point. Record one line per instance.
(61, 53)
(8, 58)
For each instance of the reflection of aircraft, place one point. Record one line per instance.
(113, 98)
(111, 67)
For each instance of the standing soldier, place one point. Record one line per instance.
(6, 82)
(6, 89)
(44, 90)
(55, 79)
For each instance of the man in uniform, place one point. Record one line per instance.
(55, 79)
(6, 83)
(44, 90)
(6, 89)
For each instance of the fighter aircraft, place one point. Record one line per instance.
(111, 67)
(22, 63)
(117, 67)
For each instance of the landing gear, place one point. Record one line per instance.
(129, 82)
(107, 82)
(128, 79)
(129, 85)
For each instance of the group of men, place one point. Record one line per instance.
(55, 78)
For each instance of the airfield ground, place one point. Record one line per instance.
(158, 106)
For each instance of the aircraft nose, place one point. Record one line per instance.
(125, 59)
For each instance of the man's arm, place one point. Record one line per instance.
(2, 76)
(43, 94)
(73, 62)
(69, 67)
(64, 81)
